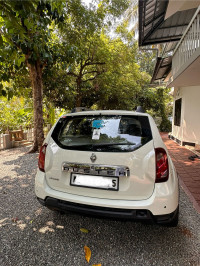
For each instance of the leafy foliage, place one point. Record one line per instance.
(64, 49)
(157, 102)
(15, 112)
(105, 73)
(119, 87)
(29, 42)
(146, 60)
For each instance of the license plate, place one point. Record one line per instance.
(91, 181)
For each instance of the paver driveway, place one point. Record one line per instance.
(33, 235)
(188, 170)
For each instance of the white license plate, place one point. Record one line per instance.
(90, 181)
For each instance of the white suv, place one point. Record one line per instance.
(108, 163)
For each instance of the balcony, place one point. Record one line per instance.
(186, 57)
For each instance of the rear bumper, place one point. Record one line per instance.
(164, 200)
(127, 214)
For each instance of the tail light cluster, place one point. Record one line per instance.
(41, 160)
(162, 168)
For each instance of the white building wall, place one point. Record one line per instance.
(189, 130)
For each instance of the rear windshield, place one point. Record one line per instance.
(102, 133)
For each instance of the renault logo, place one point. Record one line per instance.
(93, 157)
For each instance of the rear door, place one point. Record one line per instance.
(115, 149)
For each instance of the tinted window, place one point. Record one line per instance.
(102, 133)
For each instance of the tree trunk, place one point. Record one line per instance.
(79, 95)
(79, 100)
(37, 89)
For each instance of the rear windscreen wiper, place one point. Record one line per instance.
(111, 144)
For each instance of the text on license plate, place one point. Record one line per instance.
(102, 182)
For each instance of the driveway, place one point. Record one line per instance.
(187, 167)
(33, 235)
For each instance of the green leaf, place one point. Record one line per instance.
(21, 112)
(83, 230)
(19, 60)
(27, 24)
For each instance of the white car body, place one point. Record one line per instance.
(138, 195)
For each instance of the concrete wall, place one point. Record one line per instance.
(189, 130)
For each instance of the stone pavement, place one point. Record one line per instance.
(188, 170)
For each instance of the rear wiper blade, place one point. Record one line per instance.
(111, 144)
(80, 145)
(99, 144)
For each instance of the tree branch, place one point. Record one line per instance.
(90, 72)
(98, 73)
(95, 63)
(72, 74)
(92, 63)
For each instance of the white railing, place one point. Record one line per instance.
(29, 134)
(1, 142)
(188, 45)
(6, 141)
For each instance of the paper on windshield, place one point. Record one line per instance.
(96, 134)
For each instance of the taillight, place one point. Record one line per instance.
(162, 168)
(41, 160)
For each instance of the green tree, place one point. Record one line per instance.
(15, 112)
(105, 73)
(82, 42)
(88, 67)
(26, 37)
(147, 59)
(122, 81)
(158, 103)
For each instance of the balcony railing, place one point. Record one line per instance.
(188, 47)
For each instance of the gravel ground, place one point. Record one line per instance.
(33, 235)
